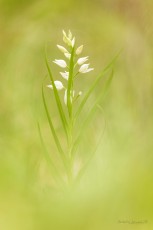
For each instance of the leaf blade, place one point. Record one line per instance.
(58, 102)
(49, 161)
(94, 85)
(58, 145)
(92, 110)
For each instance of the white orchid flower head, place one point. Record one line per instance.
(84, 68)
(65, 75)
(58, 85)
(82, 60)
(60, 63)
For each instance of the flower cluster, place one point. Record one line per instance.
(69, 40)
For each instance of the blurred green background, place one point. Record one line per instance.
(118, 184)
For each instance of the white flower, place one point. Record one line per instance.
(73, 42)
(82, 60)
(61, 63)
(79, 50)
(71, 96)
(67, 55)
(58, 85)
(88, 70)
(62, 49)
(84, 68)
(65, 75)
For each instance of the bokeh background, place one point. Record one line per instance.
(117, 187)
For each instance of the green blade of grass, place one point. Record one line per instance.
(94, 85)
(58, 101)
(91, 113)
(49, 161)
(82, 170)
(53, 131)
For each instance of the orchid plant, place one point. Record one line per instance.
(73, 66)
(71, 55)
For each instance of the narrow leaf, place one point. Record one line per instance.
(82, 170)
(53, 131)
(49, 161)
(58, 101)
(91, 113)
(94, 85)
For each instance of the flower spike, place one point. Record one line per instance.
(69, 40)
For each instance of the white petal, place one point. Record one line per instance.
(79, 50)
(50, 86)
(67, 55)
(83, 68)
(64, 34)
(88, 70)
(65, 75)
(60, 63)
(58, 85)
(62, 49)
(73, 42)
(82, 60)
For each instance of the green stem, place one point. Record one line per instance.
(70, 84)
(70, 112)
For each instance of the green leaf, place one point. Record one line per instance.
(53, 131)
(58, 101)
(49, 161)
(94, 85)
(91, 113)
(82, 170)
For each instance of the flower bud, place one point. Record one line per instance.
(62, 49)
(67, 55)
(79, 50)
